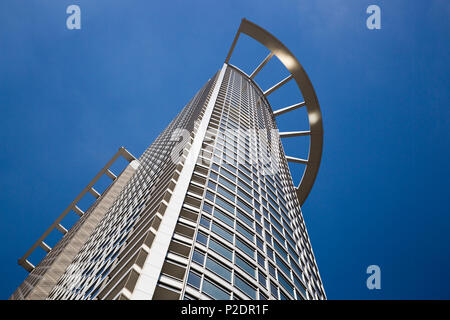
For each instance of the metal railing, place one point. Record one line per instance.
(23, 261)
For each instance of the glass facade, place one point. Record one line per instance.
(250, 239)
(239, 231)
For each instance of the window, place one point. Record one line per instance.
(245, 232)
(272, 271)
(259, 230)
(194, 279)
(211, 185)
(222, 232)
(244, 218)
(213, 176)
(280, 250)
(244, 195)
(198, 257)
(297, 270)
(245, 287)
(262, 279)
(270, 253)
(209, 196)
(227, 165)
(274, 212)
(224, 218)
(220, 249)
(207, 208)
(283, 266)
(274, 290)
(300, 287)
(226, 193)
(245, 266)
(228, 174)
(202, 238)
(245, 207)
(261, 260)
(265, 212)
(218, 269)
(241, 245)
(278, 236)
(214, 291)
(228, 207)
(245, 178)
(243, 168)
(245, 186)
(285, 284)
(205, 222)
(292, 253)
(226, 183)
(276, 224)
(260, 244)
(287, 228)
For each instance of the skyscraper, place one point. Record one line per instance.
(209, 211)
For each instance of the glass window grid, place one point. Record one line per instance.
(284, 226)
(236, 268)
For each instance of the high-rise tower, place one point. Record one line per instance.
(208, 211)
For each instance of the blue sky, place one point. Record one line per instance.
(70, 98)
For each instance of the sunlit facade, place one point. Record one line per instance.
(250, 237)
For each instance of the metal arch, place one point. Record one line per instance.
(310, 99)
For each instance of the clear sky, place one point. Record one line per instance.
(70, 98)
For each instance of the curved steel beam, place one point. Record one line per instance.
(289, 134)
(310, 99)
(287, 109)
